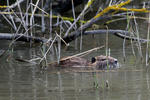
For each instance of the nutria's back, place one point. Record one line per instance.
(73, 62)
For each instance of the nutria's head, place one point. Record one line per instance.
(104, 62)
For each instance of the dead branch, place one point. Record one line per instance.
(123, 36)
(119, 33)
(21, 37)
(81, 29)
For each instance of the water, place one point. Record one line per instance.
(26, 81)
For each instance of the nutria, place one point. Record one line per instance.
(99, 62)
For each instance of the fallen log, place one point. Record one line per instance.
(21, 37)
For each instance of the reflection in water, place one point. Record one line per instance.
(11, 74)
(147, 79)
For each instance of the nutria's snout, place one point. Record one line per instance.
(116, 64)
(116, 61)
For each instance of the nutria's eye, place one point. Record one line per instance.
(93, 59)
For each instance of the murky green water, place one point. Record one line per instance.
(25, 81)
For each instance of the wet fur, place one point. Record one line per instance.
(99, 62)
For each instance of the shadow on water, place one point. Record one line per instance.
(25, 81)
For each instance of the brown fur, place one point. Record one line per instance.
(105, 62)
(99, 62)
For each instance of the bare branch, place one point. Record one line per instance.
(21, 37)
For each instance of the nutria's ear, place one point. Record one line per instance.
(93, 60)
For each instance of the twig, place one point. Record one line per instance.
(48, 49)
(80, 15)
(15, 4)
(82, 53)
